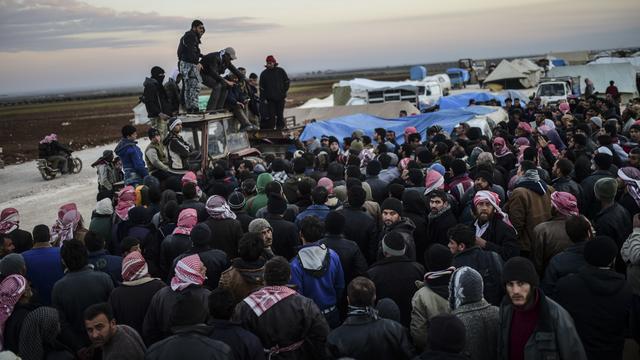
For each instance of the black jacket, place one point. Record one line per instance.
(614, 222)
(351, 258)
(193, 342)
(489, 265)
(366, 337)
(361, 228)
(214, 260)
(244, 345)
(225, 235)
(437, 228)
(213, 65)
(599, 302)
(155, 98)
(567, 184)
(172, 246)
(415, 209)
(501, 238)
(274, 84)
(285, 236)
(378, 188)
(405, 227)
(590, 202)
(189, 47)
(131, 300)
(395, 278)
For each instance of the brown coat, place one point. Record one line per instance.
(241, 282)
(550, 239)
(527, 209)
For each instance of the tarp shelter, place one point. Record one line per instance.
(624, 74)
(386, 110)
(533, 71)
(344, 126)
(462, 100)
(359, 86)
(508, 76)
(634, 60)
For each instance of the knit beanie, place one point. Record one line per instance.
(276, 204)
(388, 309)
(438, 257)
(600, 251)
(258, 225)
(606, 189)
(396, 190)
(356, 146)
(446, 333)
(236, 201)
(520, 269)
(487, 176)
(393, 244)
(465, 287)
(12, 264)
(392, 204)
(597, 121)
(374, 167)
(201, 235)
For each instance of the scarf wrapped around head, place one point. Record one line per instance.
(11, 290)
(433, 181)
(134, 267)
(504, 150)
(188, 272)
(49, 139)
(9, 220)
(565, 203)
(522, 141)
(404, 163)
(326, 183)
(524, 126)
(66, 224)
(494, 200)
(190, 177)
(218, 208)
(187, 219)
(631, 178)
(126, 200)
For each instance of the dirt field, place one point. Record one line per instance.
(86, 123)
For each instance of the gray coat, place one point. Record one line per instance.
(481, 322)
(555, 336)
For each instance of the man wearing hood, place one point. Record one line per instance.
(415, 208)
(131, 156)
(317, 272)
(395, 222)
(156, 101)
(274, 85)
(188, 63)
(260, 200)
(599, 301)
(529, 204)
(214, 65)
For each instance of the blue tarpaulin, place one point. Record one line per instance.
(462, 100)
(344, 126)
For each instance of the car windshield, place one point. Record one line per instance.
(551, 90)
(216, 139)
(192, 135)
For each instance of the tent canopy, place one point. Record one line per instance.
(462, 100)
(386, 110)
(624, 74)
(510, 76)
(344, 126)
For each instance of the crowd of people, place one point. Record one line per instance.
(522, 244)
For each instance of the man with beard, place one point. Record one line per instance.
(114, 341)
(188, 63)
(394, 221)
(493, 230)
(562, 180)
(440, 218)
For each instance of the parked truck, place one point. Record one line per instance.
(553, 90)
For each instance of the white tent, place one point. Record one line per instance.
(634, 60)
(508, 75)
(624, 74)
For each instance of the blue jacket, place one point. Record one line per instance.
(321, 211)
(109, 264)
(131, 156)
(318, 275)
(44, 268)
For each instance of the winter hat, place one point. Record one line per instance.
(606, 189)
(600, 251)
(236, 201)
(173, 122)
(12, 264)
(465, 287)
(596, 121)
(396, 190)
(393, 244)
(201, 235)
(104, 207)
(439, 168)
(258, 225)
(392, 204)
(357, 134)
(356, 146)
(276, 204)
(446, 333)
(156, 70)
(520, 269)
(487, 176)
(271, 59)
(388, 309)
(438, 257)
(374, 167)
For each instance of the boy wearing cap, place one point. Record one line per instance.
(274, 85)
(532, 326)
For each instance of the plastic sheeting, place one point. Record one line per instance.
(624, 74)
(462, 100)
(344, 126)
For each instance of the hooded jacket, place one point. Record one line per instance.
(155, 98)
(528, 206)
(415, 209)
(260, 200)
(131, 156)
(599, 301)
(405, 227)
(361, 228)
(318, 274)
(431, 299)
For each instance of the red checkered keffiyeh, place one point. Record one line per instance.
(11, 290)
(262, 300)
(134, 267)
(188, 272)
(9, 220)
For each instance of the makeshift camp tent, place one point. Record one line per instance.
(634, 60)
(387, 110)
(508, 76)
(462, 100)
(533, 71)
(624, 74)
(343, 126)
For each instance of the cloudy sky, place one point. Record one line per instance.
(65, 44)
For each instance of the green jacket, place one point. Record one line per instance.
(155, 155)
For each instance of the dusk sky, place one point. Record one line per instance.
(66, 44)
